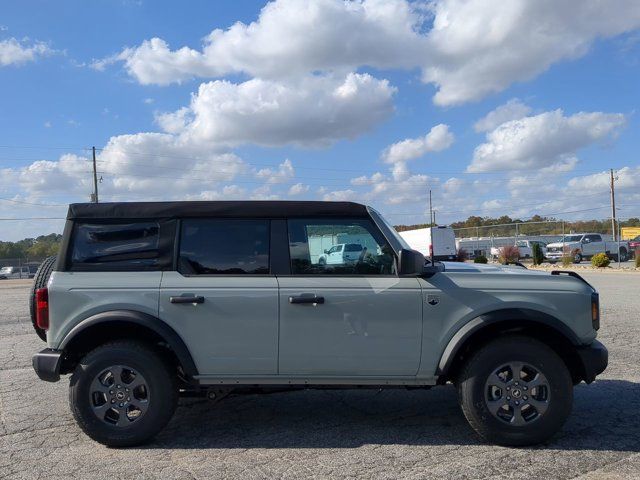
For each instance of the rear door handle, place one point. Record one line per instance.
(313, 299)
(185, 299)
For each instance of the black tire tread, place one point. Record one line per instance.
(40, 281)
(154, 356)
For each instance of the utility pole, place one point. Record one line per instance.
(434, 217)
(613, 207)
(430, 210)
(95, 177)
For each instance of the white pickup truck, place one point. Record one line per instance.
(582, 246)
(525, 247)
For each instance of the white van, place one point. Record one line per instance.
(7, 273)
(438, 243)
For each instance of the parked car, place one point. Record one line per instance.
(583, 246)
(147, 301)
(525, 247)
(342, 253)
(7, 273)
(634, 246)
(437, 243)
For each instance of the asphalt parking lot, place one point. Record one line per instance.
(321, 434)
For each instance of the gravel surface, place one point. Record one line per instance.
(321, 434)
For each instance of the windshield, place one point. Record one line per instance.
(5, 270)
(397, 242)
(573, 238)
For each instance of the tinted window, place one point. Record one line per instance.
(114, 246)
(221, 246)
(594, 238)
(366, 252)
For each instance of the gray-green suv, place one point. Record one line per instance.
(148, 301)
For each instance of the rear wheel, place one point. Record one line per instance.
(40, 280)
(122, 394)
(515, 391)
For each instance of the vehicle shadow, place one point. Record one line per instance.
(605, 417)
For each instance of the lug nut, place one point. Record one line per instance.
(113, 401)
(118, 386)
(526, 398)
(526, 388)
(516, 384)
(517, 402)
(508, 388)
(122, 404)
(111, 392)
(508, 398)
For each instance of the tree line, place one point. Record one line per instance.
(29, 249)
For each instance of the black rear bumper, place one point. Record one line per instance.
(594, 359)
(47, 364)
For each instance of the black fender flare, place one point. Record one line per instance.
(162, 329)
(508, 314)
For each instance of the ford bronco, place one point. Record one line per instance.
(150, 301)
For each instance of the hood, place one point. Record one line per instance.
(451, 267)
(560, 244)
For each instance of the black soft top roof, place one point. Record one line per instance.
(249, 208)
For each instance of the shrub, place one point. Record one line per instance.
(461, 255)
(508, 254)
(638, 258)
(567, 260)
(480, 259)
(600, 260)
(536, 253)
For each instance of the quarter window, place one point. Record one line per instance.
(338, 247)
(224, 247)
(123, 246)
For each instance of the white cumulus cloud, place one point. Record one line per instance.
(514, 109)
(544, 140)
(467, 49)
(437, 139)
(310, 111)
(14, 52)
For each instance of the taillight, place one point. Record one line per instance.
(595, 311)
(42, 308)
(431, 250)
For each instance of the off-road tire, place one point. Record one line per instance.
(40, 281)
(471, 386)
(162, 384)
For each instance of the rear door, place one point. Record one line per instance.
(348, 319)
(223, 300)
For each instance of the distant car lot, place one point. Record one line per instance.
(361, 434)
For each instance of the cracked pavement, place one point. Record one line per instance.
(325, 434)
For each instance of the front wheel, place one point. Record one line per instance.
(122, 394)
(577, 257)
(515, 391)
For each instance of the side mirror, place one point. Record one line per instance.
(326, 251)
(411, 263)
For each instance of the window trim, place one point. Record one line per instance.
(178, 242)
(374, 226)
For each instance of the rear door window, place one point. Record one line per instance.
(120, 246)
(224, 247)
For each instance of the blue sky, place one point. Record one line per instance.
(313, 100)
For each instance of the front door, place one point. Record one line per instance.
(352, 318)
(222, 300)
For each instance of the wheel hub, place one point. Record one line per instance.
(517, 393)
(119, 395)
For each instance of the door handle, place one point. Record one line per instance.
(185, 299)
(313, 299)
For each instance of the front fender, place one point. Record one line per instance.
(482, 321)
